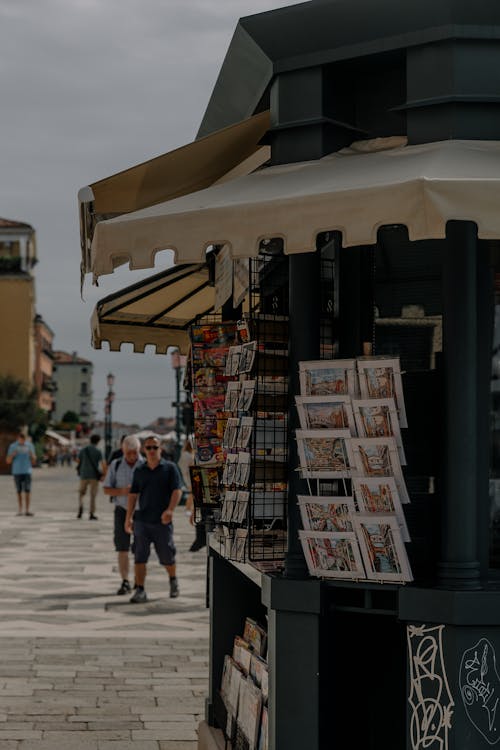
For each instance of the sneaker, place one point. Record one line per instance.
(174, 588)
(139, 596)
(92, 517)
(80, 512)
(124, 588)
(28, 513)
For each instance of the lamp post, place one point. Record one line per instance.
(108, 415)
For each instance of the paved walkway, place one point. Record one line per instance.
(81, 668)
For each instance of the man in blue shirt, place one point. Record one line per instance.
(156, 489)
(117, 486)
(21, 455)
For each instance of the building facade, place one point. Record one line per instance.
(73, 380)
(44, 360)
(17, 300)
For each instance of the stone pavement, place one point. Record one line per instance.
(82, 668)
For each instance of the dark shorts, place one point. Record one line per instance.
(158, 534)
(23, 482)
(120, 536)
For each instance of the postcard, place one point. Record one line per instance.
(245, 428)
(378, 417)
(241, 506)
(380, 495)
(326, 513)
(232, 361)
(382, 547)
(231, 432)
(324, 453)
(328, 377)
(332, 555)
(232, 396)
(378, 457)
(325, 413)
(243, 469)
(381, 378)
(247, 356)
(238, 546)
(228, 506)
(247, 392)
(229, 474)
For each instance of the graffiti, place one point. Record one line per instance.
(430, 697)
(480, 689)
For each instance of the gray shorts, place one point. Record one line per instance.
(160, 535)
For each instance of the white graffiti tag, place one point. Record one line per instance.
(430, 697)
(480, 689)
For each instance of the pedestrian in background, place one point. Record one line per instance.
(117, 486)
(91, 468)
(186, 460)
(21, 456)
(156, 491)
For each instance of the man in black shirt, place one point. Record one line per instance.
(156, 487)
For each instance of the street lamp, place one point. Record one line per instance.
(108, 416)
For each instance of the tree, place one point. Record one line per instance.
(18, 407)
(18, 404)
(70, 417)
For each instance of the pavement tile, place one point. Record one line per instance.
(67, 680)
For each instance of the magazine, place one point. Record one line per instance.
(249, 712)
(324, 453)
(326, 513)
(255, 635)
(205, 485)
(231, 432)
(332, 555)
(328, 377)
(382, 547)
(242, 654)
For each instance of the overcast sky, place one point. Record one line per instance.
(88, 88)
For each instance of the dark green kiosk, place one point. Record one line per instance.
(365, 665)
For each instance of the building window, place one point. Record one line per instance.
(83, 388)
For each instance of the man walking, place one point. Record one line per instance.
(90, 469)
(156, 487)
(21, 455)
(117, 486)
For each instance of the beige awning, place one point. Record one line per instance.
(157, 311)
(222, 155)
(352, 191)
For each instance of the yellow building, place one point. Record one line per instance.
(17, 300)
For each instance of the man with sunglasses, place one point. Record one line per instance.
(156, 490)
